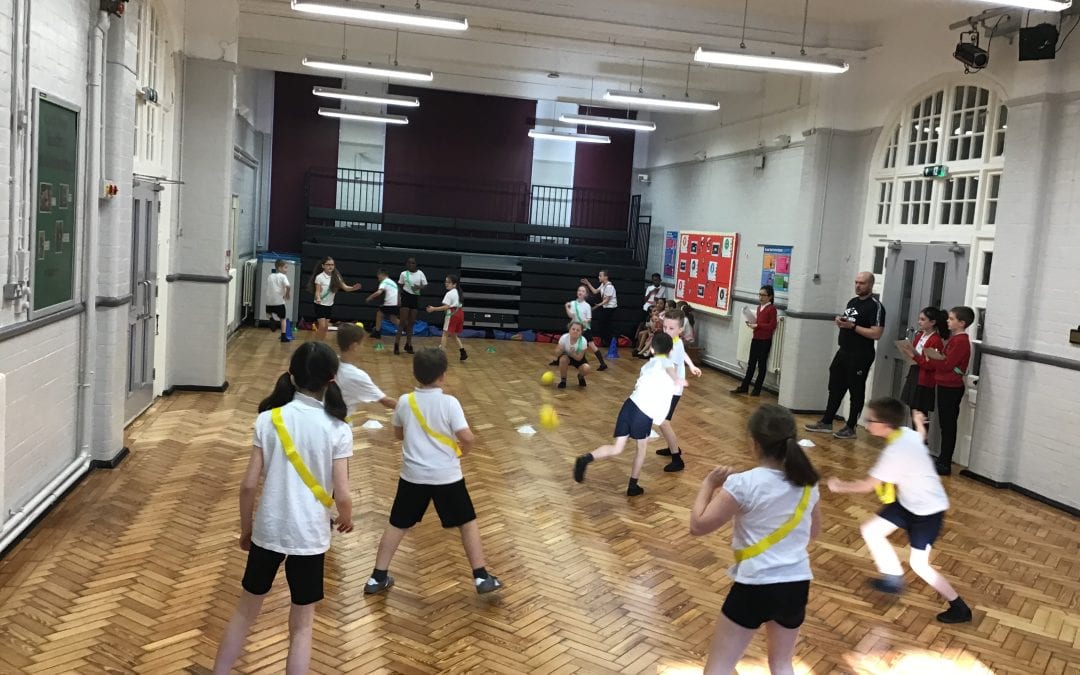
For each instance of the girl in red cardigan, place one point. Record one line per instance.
(919, 389)
(949, 368)
(764, 326)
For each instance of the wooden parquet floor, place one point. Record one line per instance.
(137, 570)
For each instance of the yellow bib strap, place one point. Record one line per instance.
(886, 492)
(780, 532)
(297, 461)
(442, 438)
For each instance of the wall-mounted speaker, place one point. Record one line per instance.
(1038, 43)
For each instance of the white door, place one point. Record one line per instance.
(142, 317)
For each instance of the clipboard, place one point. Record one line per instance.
(906, 349)
(930, 350)
(749, 314)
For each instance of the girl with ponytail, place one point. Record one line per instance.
(301, 452)
(776, 513)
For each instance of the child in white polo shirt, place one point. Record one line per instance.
(673, 321)
(434, 434)
(646, 406)
(389, 307)
(908, 484)
(356, 385)
(571, 351)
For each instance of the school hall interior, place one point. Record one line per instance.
(157, 156)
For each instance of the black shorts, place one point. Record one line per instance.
(674, 404)
(750, 605)
(323, 311)
(452, 503)
(410, 301)
(390, 310)
(303, 572)
(576, 363)
(277, 311)
(922, 531)
(632, 422)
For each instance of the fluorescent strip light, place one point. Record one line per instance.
(380, 14)
(634, 98)
(608, 122)
(742, 59)
(390, 72)
(378, 99)
(1047, 5)
(357, 117)
(573, 138)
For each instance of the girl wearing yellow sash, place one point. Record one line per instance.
(301, 451)
(776, 514)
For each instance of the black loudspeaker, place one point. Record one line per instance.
(1038, 43)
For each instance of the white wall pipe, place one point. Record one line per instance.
(14, 185)
(48, 495)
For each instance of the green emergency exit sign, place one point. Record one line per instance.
(935, 171)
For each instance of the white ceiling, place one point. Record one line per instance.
(512, 45)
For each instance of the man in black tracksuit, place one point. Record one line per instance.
(860, 326)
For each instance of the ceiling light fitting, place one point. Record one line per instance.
(609, 122)
(369, 69)
(358, 117)
(381, 14)
(1045, 5)
(742, 59)
(378, 99)
(643, 100)
(573, 138)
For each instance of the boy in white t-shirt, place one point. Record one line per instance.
(356, 386)
(388, 291)
(908, 484)
(673, 320)
(434, 433)
(278, 291)
(646, 406)
(656, 292)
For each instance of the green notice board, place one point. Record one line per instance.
(56, 173)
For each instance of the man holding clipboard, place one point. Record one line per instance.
(861, 325)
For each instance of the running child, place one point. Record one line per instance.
(278, 292)
(455, 314)
(571, 351)
(905, 480)
(389, 307)
(356, 385)
(777, 513)
(301, 440)
(647, 405)
(580, 310)
(326, 281)
(672, 327)
(412, 282)
(434, 433)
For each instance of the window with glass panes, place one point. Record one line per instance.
(962, 127)
(150, 76)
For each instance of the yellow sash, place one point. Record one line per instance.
(297, 461)
(886, 492)
(780, 532)
(442, 438)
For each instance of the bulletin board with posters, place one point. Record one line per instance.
(55, 174)
(705, 274)
(776, 268)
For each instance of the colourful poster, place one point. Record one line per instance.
(776, 268)
(671, 243)
(705, 272)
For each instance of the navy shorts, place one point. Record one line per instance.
(277, 311)
(750, 605)
(674, 404)
(323, 311)
(922, 531)
(632, 422)
(452, 503)
(303, 572)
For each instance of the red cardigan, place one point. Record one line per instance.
(957, 355)
(766, 322)
(927, 376)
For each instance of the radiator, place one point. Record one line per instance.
(746, 334)
(251, 268)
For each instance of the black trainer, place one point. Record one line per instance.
(634, 491)
(664, 452)
(580, 464)
(958, 612)
(676, 464)
(408, 348)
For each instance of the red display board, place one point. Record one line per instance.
(706, 270)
